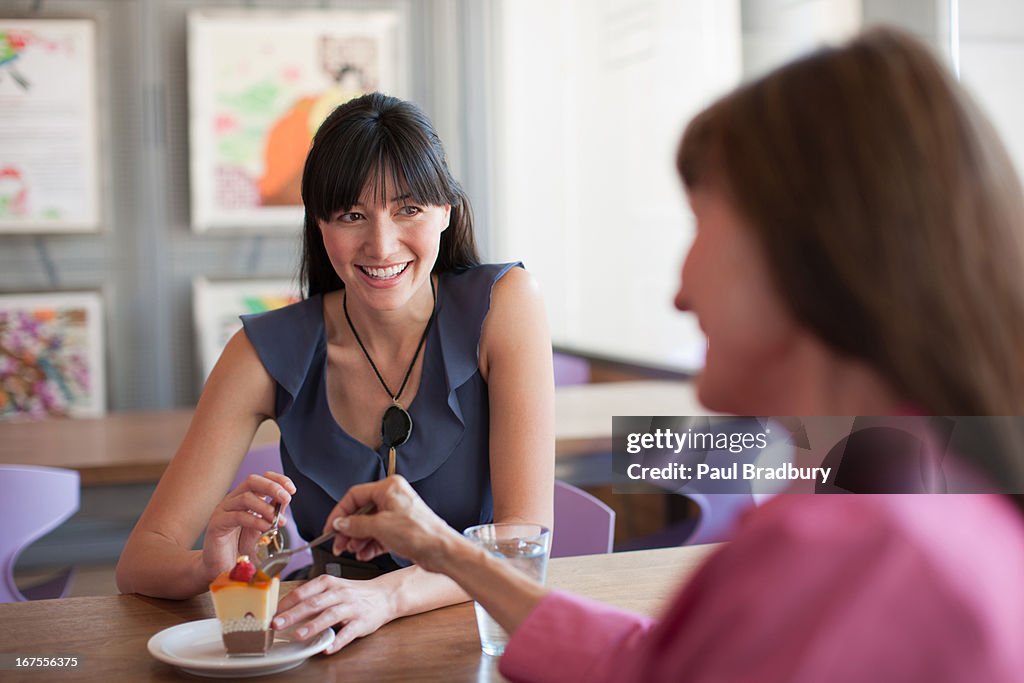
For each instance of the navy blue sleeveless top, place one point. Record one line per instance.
(447, 457)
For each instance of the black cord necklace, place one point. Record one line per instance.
(396, 425)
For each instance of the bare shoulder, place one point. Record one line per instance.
(514, 286)
(239, 354)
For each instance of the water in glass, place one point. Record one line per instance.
(530, 558)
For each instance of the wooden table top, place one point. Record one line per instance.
(132, 447)
(109, 634)
(119, 448)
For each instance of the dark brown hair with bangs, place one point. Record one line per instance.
(364, 143)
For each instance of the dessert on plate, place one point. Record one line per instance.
(245, 601)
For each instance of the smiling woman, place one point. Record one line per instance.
(406, 356)
(363, 156)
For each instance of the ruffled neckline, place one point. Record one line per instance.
(436, 432)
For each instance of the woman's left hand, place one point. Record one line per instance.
(360, 607)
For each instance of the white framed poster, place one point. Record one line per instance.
(260, 84)
(51, 355)
(216, 306)
(49, 139)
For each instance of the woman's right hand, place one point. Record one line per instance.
(401, 523)
(240, 518)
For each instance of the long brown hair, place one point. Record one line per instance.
(891, 219)
(890, 215)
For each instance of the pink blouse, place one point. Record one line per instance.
(814, 588)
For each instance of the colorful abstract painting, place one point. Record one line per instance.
(260, 84)
(51, 355)
(49, 178)
(217, 305)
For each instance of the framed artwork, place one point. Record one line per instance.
(260, 84)
(217, 305)
(51, 355)
(49, 167)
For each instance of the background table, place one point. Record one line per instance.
(136, 447)
(109, 634)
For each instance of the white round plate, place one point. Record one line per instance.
(197, 648)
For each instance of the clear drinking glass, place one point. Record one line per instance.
(526, 547)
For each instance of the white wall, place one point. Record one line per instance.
(775, 31)
(591, 98)
(991, 55)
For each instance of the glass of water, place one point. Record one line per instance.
(526, 547)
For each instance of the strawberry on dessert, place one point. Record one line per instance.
(244, 570)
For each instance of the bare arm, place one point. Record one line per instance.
(507, 594)
(515, 360)
(158, 559)
(404, 524)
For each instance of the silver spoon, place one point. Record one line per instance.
(271, 541)
(276, 562)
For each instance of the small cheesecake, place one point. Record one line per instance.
(245, 601)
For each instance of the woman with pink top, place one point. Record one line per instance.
(859, 251)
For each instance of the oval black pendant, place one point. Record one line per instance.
(396, 426)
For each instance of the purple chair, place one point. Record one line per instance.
(38, 500)
(258, 461)
(570, 370)
(588, 468)
(583, 524)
